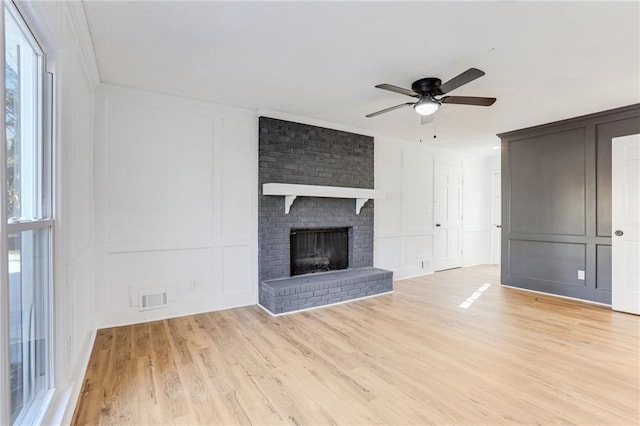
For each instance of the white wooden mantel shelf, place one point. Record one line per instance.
(292, 191)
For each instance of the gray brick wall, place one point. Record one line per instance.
(302, 154)
(299, 153)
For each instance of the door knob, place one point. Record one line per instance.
(437, 224)
(498, 226)
(619, 233)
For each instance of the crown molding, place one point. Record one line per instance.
(80, 27)
(59, 26)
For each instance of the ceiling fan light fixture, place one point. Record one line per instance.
(426, 89)
(426, 106)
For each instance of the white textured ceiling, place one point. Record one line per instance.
(544, 61)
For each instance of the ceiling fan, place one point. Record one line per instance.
(426, 90)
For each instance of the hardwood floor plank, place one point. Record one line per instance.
(88, 407)
(411, 357)
(170, 396)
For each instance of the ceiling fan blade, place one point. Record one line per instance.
(397, 89)
(461, 79)
(373, 114)
(468, 100)
(426, 119)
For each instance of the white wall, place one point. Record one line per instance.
(493, 163)
(476, 239)
(176, 204)
(62, 32)
(404, 218)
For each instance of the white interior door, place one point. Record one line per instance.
(625, 220)
(496, 217)
(447, 238)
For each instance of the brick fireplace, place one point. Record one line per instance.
(293, 153)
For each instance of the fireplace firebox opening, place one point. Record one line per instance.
(318, 250)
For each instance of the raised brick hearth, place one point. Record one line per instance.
(312, 290)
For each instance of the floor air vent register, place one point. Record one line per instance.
(154, 299)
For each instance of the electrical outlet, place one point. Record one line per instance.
(194, 285)
(580, 274)
(424, 262)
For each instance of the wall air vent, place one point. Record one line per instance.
(153, 299)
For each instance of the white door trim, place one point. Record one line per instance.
(496, 216)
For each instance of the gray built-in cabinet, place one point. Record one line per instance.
(556, 204)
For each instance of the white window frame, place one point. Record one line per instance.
(5, 380)
(37, 409)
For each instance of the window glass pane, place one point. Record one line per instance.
(28, 243)
(28, 316)
(22, 122)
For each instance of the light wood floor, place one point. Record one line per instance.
(412, 357)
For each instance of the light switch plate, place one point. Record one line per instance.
(580, 274)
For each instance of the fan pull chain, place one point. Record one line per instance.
(434, 126)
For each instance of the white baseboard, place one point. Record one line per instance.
(591, 302)
(63, 404)
(406, 277)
